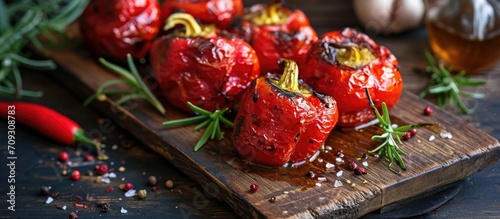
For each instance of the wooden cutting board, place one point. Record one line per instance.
(431, 164)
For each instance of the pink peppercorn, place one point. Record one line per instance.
(128, 186)
(428, 110)
(63, 156)
(75, 175)
(254, 187)
(102, 169)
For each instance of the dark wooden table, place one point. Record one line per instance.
(37, 163)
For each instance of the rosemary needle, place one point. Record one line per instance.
(205, 118)
(448, 87)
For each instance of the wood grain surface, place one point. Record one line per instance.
(431, 164)
(219, 174)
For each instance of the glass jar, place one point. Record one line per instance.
(464, 34)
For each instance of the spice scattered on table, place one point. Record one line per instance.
(272, 199)
(428, 110)
(75, 175)
(63, 156)
(102, 169)
(128, 186)
(359, 170)
(152, 180)
(130, 193)
(123, 210)
(49, 200)
(254, 187)
(44, 190)
(142, 194)
(169, 184)
(105, 207)
(72, 215)
(88, 157)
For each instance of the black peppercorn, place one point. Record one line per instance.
(105, 207)
(272, 199)
(152, 180)
(311, 174)
(44, 190)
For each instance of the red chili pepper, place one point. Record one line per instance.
(343, 64)
(200, 67)
(282, 120)
(277, 32)
(47, 121)
(117, 27)
(218, 12)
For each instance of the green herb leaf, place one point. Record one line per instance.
(208, 119)
(447, 87)
(21, 23)
(391, 136)
(131, 77)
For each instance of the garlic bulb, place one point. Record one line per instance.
(389, 16)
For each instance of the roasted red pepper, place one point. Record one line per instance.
(114, 28)
(343, 64)
(218, 12)
(200, 67)
(282, 119)
(276, 32)
(46, 121)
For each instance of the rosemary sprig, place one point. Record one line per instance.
(391, 136)
(448, 87)
(139, 90)
(205, 118)
(21, 23)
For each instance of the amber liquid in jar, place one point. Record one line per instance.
(461, 52)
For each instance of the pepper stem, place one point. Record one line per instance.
(270, 16)
(289, 81)
(79, 136)
(191, 27)
(353, 55)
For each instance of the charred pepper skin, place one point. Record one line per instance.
(222, 13)
(207, 70)
(316, 133)
(277, 32)
(113, 28)
(342, 64)
(275, 124)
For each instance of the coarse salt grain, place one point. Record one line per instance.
(432, 138)
(339, 160)
(337, 183)
(130, 193)
(123, 210)
(106, 180)
(114, 147)
(318, 184)
(329, 165)
(321, 179)
(329, 148)
(63, 207)
(49, 200)
(445, 134)
(340, 173)
(111, 175)
(365, 163)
